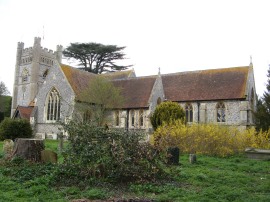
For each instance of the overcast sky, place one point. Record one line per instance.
(174, 35)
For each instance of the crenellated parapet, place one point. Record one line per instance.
(46, 56)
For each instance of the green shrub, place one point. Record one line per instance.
(167, 112)
(209, 139)
(96, 152)
(15, 128)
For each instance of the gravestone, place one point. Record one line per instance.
(173, 156)
(192, 158)
(8, 148)
(48, 156)
(258, 154)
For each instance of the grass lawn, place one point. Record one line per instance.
(210, 179)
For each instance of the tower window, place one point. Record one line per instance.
(25, 75)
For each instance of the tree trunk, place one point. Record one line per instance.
(29, 149)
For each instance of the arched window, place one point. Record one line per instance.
(53, 105)
(221, 115)
(117, 118)
(189, 112)
(132, 117)
(141, 117)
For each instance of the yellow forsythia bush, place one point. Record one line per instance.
(208, 139)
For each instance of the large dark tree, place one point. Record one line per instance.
(3, 89)
(4, 104)
(96, 57)
(263, 108)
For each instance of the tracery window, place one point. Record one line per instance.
(141, 117)
(189, 112)
(53, 105)
(117, 118)
(221, 114)
(132, 117)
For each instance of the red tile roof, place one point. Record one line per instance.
(78, 79)
(215, 84)
(136, 91)
(120, 74)
(24, 112)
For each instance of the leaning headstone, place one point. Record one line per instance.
(192, 158)
(48, 156)
(8, 148)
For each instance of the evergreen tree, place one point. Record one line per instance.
(263, 108)
(167, 112)
(95, 57)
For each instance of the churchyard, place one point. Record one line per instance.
(232, 178)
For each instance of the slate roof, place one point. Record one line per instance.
(136, 91)
(24, 112)
(213, 84)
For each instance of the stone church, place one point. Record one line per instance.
(45, 91)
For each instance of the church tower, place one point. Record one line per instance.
(32, 66)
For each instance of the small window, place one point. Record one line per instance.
(141, 117)
(221, 115)
(45, 73)
(132, 118)
(117, 118)
(189, 113)
(87, 115)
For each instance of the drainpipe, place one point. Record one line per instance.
(198, 111)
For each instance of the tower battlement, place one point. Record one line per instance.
(39, 53)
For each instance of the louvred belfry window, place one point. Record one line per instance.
(53, 106)
(221, 115)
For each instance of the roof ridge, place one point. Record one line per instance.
(204, 70)
(77, 69)
(137, 78)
